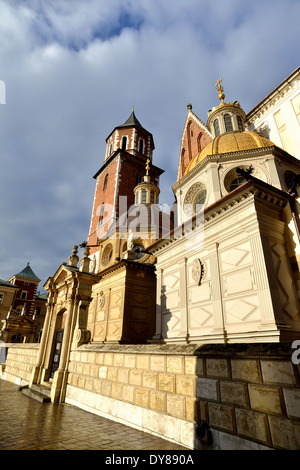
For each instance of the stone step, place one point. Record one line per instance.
(36, 395)
(44, 389)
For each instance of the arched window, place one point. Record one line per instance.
(240, 123)
(228, 123)
(152, 197)
(141, 146)
(139, 178)
(105, 182)
(216, 127)
(144, 196)
(124, 142)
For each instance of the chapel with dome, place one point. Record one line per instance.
(238, 280)
(146, 327)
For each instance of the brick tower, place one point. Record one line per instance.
(128, 147)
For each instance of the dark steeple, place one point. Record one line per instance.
(132, 121)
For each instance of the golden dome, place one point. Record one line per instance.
(230, 142)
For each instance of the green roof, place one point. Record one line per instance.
(27, 272)
(7, 284)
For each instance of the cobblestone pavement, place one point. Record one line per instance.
(26, 424)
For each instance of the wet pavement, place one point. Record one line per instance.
(26, 424)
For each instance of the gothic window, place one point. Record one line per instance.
(124, 142)
(240, 123)
(228, 123)
(216, 127)
(105, 182)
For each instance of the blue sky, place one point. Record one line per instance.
(74, 69)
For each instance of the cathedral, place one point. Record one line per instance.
(126, 322)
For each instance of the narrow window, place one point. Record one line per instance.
(152, 197)
(240, 123)
(139, 178)
(216, 127)
(228, 123)
(124, 143)
(105, 182)
(101, 213)
(144, 196)
(141, 146)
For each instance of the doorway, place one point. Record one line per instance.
(57, 351)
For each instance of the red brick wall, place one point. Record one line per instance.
(195, 138)
(31, 292)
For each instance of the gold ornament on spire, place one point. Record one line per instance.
(220, 90)
(147, 167)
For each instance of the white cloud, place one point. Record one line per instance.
(73, 70)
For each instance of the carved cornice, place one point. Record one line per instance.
(263, 192)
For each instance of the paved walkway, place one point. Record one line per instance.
(26, 424)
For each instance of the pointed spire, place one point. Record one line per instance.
(132, 121)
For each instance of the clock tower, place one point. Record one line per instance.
(128, 148)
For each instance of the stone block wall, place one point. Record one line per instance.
(20, 361)
(248, 395)
(149, 387)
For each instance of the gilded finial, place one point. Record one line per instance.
(147, 167)
(220, 90)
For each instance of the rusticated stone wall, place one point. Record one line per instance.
(247, 395)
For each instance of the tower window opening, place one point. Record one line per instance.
(152, 197)
(141, 146)
(228, 123)
(144, 196)
(139, 178)
(240, 123)
(105, 182)
(124, 143)
(101, 213)
(216, 127)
